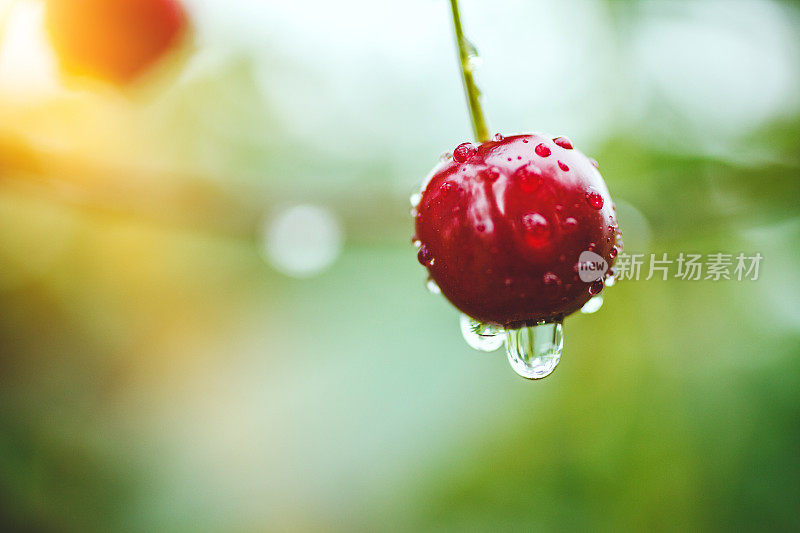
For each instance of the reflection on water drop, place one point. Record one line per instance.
(424, 256)
(433, 288)
(415, 199)
(596, 287)
(482, 337)
(534, 352)
(473, 57)
(595, 199)
(592, 305)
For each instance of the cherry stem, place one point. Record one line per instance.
(466, 54)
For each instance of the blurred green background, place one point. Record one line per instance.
(212, 319)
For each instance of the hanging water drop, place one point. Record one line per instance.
(534, 352)
(482, 337)
(415, 199)
(592, 305)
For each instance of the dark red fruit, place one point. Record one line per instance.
(501, 228)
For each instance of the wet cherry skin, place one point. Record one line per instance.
(113, 40)
(500, 228)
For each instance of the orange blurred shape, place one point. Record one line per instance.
(114, 40)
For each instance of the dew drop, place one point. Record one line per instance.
(490, 174)
(433, 288)
(424, 256)
(498, 137)
(595, 199)
(534, 352)
(479, 336)
(563, 142)
(570, 225)
(563, 166)
(415, 199)
(537, 230)
(473, 57)
(445, 156)
(552, 284)
(542, 150)
(530, 178)
(592, 305)
(613, 253)
(464, 152)
(596, 287)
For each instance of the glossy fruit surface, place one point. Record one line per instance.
(113, 40)
(501, 226)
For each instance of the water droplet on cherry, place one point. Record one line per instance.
(595, 287)
(563, 142)
(490, 174)
(552, 284)
(537, 229)
(464, 152)
(542, 150)
(593, 305)
(424, 256)
(595, 199)
(433, 288)
(530, 178)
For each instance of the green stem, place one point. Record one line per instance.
(472, 91)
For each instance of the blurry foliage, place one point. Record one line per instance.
(156, 374)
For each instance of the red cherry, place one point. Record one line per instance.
(503, 229)
(113, 40)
